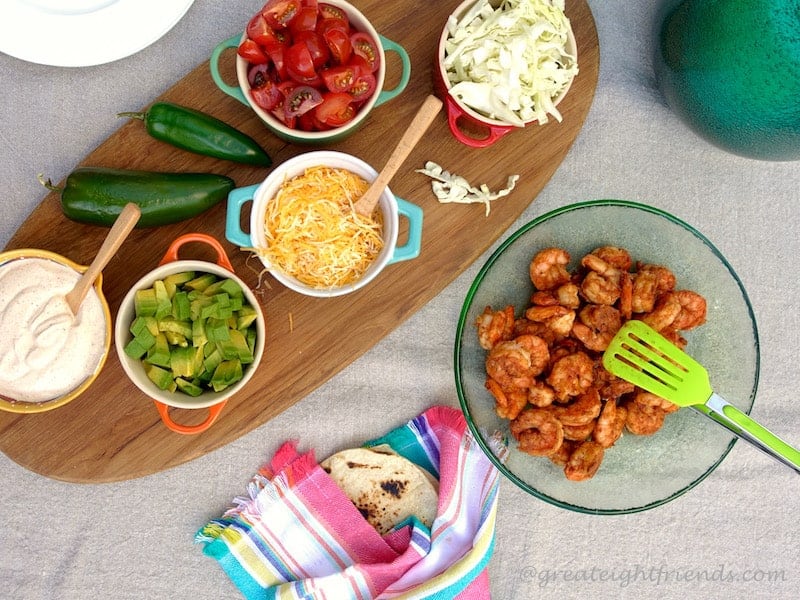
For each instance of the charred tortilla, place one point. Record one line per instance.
(384, 486)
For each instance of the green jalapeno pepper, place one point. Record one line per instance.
(200, 133)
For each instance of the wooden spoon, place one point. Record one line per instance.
(126, 221)
(424, 117)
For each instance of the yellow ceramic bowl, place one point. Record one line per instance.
(17, 406)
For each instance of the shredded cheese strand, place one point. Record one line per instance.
(313, 232)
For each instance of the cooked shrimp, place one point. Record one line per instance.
(614, 256)
(666, 310)
(540, 394)
(561, 456)
(578, 433)
(508, 403)
(571, 375)
(598, 289)
(649, 400)
(558, 319)
(626, 296)
(544, 298)
(514, 363)
(584, 461)
(567, 295)
(597, 326)
(609, 425)
(664, 278)
(584, 409)
(523, 326)
(495, 326)
(693, 310)
(537, 432)
(643, 420)
(548, 269)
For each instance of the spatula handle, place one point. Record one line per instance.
(751, 431)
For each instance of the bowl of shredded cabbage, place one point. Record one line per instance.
(504, 64)
(305, 230)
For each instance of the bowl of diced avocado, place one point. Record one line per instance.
(190, 334)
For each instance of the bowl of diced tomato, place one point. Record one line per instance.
(312, 71)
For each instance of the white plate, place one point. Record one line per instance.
(81, 33)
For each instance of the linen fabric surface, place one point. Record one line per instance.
(297, 535)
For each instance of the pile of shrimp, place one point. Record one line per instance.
(544, 367)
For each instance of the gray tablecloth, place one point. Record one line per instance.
(735, 535)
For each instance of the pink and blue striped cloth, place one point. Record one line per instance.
(296, 535)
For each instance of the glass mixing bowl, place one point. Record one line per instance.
(638, 472)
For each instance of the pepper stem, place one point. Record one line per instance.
(47, 183)
(133, 115)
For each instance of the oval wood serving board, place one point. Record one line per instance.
(113, 431)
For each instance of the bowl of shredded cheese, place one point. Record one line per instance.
(504, 64)
(305, 230)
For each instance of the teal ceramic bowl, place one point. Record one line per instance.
(638, 472)
(358, 23)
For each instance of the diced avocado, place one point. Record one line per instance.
(226, 374)
(201, 282)
(246, 316)
(135, 348)
(225, 286)
(161, 377)
(159, 353)
(145, 303)
(175, 280)
(235, 347)
(199, 338)
(163, 301)
(181, 308)
(193, 332)
(217, 330)
(188, 387)
(186, 362)
(173, 325)
(176, 339)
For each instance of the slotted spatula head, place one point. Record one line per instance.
(645, 358)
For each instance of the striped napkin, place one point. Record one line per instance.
(296, 535)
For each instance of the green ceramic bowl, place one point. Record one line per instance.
(638, 473)
(359, 23)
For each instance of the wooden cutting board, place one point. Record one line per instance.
(113, 431)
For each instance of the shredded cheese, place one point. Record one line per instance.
(313, 232)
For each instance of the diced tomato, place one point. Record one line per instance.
(260, 32)
(316, 46)
(339, 43)
(267, 95)
(363, 87)
(336, 109)
(252, 52)
(329, 11)
(306, 20)
(279, 13)
(340, 78)
(300, 64)
(365, 46)
(301, 100)
(276, 52)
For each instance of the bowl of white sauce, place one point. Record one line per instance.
(48, 356)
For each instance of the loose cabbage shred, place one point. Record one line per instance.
(454, 188)
(510, 62)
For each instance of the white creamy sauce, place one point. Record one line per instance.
(45, 351)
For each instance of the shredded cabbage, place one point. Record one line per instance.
(454, 188)
(510, 62)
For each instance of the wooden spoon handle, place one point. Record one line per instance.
(125, 222)
(422, 120)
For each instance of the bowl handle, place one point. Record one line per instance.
(172, 252)
(213, 413)
(455, 113)
(412, 246)
(213, 63)
(233, 228)
(405, 74)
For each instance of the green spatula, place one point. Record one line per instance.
(645, 358)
